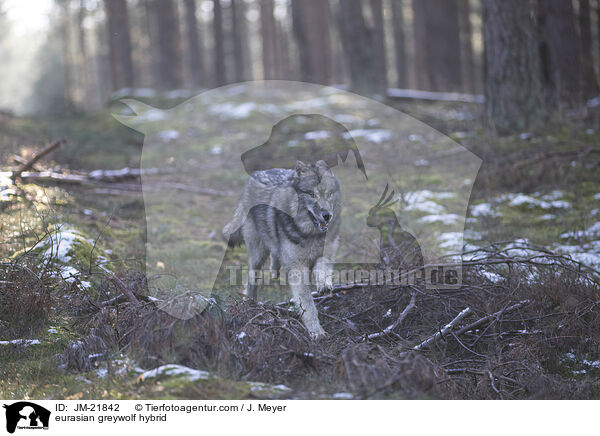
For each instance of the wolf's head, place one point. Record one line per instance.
(319, 191)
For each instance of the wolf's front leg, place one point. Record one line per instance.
(323, 269)
(299, 279)
(323, 272)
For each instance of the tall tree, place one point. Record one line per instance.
(83, 54)
(65, 35)
(420, 44)
(219, 54)
(152, 57)
(466, 46)
(358, 39)
(311, 31)
(194, 45)
(562, 60)
(590, 83)
(379, 44)
(169, 44)
(268, 32)
(399, 43)
(513, 88)
(119, 42)
(438, 43)
(241, 50)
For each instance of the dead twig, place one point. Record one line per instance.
(493, 316)
(124, 290)
(434, 338)
(389, 329)
(37, 156)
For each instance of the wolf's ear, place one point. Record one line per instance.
(299, 166)
(322, 167)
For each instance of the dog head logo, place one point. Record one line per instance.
(26, 415)
(402, 182)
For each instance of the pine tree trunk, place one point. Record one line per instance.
(443, 45)
(420, 42)
(269, 45)
(152, 57)
(379, 44)
(196, 61)
(513, 88)
(590, 83)
(238, 27)
(219, 53)
(65, 31)
(399, 43)
(358, 41)
(169, 44)
(119, 44)
(563, 52)
(311, 32)
(466, 46)
(83, 56)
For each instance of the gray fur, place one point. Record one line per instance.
(294, 216)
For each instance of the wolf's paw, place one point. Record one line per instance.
(317, 333)
(324, 286)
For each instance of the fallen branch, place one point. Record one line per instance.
(37, 156)
(390, 329)
(124, 290)
(491, 317)
(430, 340)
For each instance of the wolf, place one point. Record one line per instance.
(293, 215)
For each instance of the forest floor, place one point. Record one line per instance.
(68, 252)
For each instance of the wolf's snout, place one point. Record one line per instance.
(327, 216)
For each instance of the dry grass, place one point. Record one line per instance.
(518, 353)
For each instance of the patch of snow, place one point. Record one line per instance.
(376, 136)
(176, 370)
(593, 102)
(427, 206)
(230, 110)
(168, 135)
(317, 134)
(342, 396)
(547, 217)
(241, 335)
(597, 196)
(522, 199)
(554, 195)
(152, 115)
(484, 209)
(23, 342)
(447, 218)
(492, 276)
(102, 372)
(451, 240)
(52, 331)
(592, 231)
(216, 149)
(345, 118)
(179, 93)
(472, 234)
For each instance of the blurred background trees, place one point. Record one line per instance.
(523, 56)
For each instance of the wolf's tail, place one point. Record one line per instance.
(233, 237)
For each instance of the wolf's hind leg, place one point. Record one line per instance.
(275, 266)
(257, 254)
